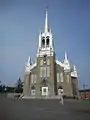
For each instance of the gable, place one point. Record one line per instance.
(59, 66)
(59, 63)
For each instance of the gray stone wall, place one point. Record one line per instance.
(68, 84)
(75, 87)
(50, 80)
(26, 88)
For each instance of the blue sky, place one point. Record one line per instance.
(20, 22)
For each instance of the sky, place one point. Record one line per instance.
(20, 23)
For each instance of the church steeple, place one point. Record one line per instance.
(46, 45)
(46, 22)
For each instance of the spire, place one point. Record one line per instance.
(45, 45)
(66, 63)
(28, 65)
(46, 22)
(66, 56)
(29, 59)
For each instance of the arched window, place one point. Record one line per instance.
(47, 41)
(57, 77)
(61, 76)
(41, 71)
(43, 42)
(48, 71)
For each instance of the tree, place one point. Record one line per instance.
(19, 86)
(2, 87)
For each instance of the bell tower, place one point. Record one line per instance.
(46, 61)
(45, 45)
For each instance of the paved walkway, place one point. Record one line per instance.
(14, 109)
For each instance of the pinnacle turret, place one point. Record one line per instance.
(66, 56)
(74, 68)
(28, 65)
(74, 71)
(66, 63)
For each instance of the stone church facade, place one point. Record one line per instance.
(47, 75)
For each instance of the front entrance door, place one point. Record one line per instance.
(44, 91)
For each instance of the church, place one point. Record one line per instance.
(47, 75)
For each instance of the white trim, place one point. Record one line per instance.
(66, 68)
(34, 65)
(59, 63)
(44, 93)
(48, 53)
(74, 74)
(44, 34)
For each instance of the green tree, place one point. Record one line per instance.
(2, 87)
(19, 86)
